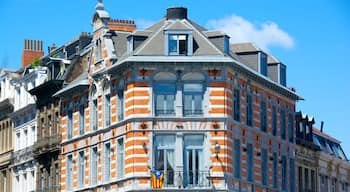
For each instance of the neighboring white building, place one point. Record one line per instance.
(24, 127)
(333, 165)
(7, 76)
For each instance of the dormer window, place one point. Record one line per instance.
(178, 42)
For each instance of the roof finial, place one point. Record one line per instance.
(100, 5)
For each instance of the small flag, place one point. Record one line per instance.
(157, 179)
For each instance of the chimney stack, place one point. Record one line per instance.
(121, 25)
(32, 49)
(176, 13)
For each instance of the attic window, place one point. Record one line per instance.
(178, 43)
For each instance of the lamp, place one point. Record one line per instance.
(143, 127)
(215, 127)
(217, 149)
(144, 146)
(143, 71)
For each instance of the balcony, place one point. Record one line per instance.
(164, 112)
(54, 188)
(186, 180)
(22, 155)
(47, 144)
(193, 112)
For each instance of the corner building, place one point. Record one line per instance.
(175, 98)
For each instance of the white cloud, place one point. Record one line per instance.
(263, 35)
(143, 24)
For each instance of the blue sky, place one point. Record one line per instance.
(311, 37)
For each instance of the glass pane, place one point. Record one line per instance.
(193, 87)
(194, 140)
(198, 104)
(188, 103)
(159, 102)
(183, 47)
(160, 160)
(173, 37)
(166, 140)
(190, 166)
(165, 88)
(182, 37)
(172, 44)
(170, 165)
(170, 103)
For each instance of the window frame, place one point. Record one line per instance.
(168, 112)
(82, 117)
(81, 168)
(94, 176)
(120, 157)
(70, 171)
(70, 120)
(188, 33)
(263, 115)
(236, 104)
(106, 177)
(194, 111)
(249, 109)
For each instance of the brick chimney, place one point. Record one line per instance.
(32, 49)
(121, 25)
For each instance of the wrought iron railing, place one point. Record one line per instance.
(190, 112)
(186, 179)
(163, 112)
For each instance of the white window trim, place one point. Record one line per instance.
(178, 32)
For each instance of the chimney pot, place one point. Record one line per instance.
(176, 13)
(32, 49)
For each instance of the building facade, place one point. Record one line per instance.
(23, 163)
(307, 154)
(178, 103)
(333, 165)
(61, 63)
(6, 137)
(321, 163)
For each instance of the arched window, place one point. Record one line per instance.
(165, 91)
(106, 104)
(93, 108)
(98, 50)
(193, 90)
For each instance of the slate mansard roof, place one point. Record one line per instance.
(151, 49)
(149, 46)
